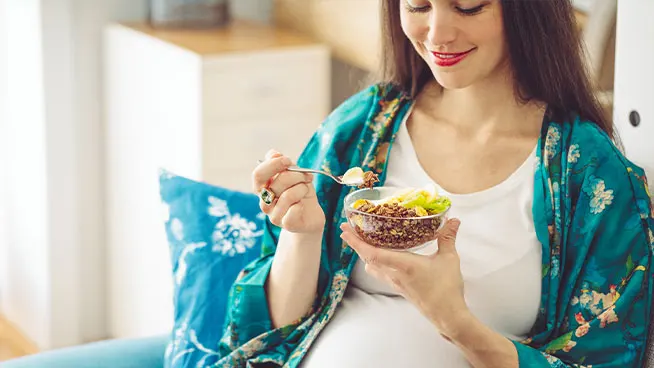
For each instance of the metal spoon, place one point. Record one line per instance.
(338, 179)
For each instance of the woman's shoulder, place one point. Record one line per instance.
(583, 141)
(361, 107)
(596, 164)
(599, 146)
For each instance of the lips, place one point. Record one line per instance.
(449, 59)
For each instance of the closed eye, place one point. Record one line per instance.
(470, 11)
(416, 9)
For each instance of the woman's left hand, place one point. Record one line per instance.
(432, 283)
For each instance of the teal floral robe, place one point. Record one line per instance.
(592, 214)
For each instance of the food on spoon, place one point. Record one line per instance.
(356, 176)
(369, 179)
(353, 176)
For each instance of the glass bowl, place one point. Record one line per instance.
(395, 233)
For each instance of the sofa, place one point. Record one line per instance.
(123, 353)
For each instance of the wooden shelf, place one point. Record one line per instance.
(237, 37)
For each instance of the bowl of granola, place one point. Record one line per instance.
(394, 218)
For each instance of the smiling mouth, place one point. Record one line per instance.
(450, 55)
(449, 59)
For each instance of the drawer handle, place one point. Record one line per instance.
(634, 118)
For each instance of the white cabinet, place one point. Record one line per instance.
(203, 104)
(634, 81)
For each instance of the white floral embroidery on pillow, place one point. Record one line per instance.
(218, 207)
(177, 228)
(234, 235)
(182, 267)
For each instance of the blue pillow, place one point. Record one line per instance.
(213, 233)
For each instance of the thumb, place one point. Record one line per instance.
(447, 236)
(272, 154)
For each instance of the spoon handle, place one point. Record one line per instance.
(303, 170)
(312, 171)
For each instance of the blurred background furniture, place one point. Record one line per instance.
(205, 104)
(598, 31)
(597, 25)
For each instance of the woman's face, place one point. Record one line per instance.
(462, 41)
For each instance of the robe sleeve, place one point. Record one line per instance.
(606, 278)
(248, 331)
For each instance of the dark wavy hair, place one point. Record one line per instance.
(545, 53)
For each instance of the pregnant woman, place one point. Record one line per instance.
(546, 259)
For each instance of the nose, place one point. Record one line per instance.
(442, 30)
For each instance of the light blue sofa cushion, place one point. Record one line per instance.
(128, 353)
(213, 233)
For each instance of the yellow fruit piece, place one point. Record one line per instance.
(358, 220)
(421, 211)
(360, 202)
(401, 195)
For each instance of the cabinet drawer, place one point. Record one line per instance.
(238, 145)
(258, 85)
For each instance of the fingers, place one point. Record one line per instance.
(447, 236)
(286, 180)
(288, 198)
(272, 154)
(375, 256)
(266, 170)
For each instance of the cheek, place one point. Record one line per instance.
(498, 44)
(491, 33)
(494, 42)
(413, 28)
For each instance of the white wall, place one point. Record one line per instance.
(54, 287)
(634, 80)
(3, 161)
(26, 291)
(89, 19)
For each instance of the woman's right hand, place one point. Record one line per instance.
(295, 207)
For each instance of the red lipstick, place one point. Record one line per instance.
(445, 59)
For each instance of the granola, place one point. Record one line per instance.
(402, 221)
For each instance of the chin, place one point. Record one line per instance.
(453, 80)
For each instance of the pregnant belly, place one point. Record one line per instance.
(372, 330)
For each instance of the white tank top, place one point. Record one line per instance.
(501, 267)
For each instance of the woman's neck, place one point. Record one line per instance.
(487, 108)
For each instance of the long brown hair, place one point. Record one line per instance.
(545, 52)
